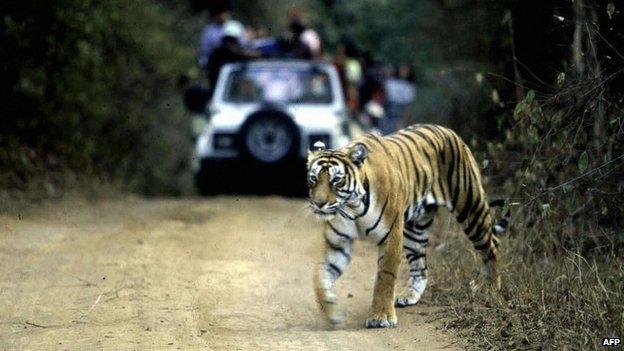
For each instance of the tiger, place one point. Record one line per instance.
(388, 189)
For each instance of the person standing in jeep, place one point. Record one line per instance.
(213, 32)
(230, 50)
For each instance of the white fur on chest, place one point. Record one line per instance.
(371, 226)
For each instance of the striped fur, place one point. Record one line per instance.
(388, 189)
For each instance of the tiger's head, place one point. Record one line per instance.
(335, 178)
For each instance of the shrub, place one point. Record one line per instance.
(89, 87)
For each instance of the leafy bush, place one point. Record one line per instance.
(89, 87)
(561, 159)
(571, 175)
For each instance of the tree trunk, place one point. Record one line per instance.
(577, 44)
(595, 73)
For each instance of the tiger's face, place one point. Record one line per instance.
(335, 179)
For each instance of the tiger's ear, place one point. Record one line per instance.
(358, 154)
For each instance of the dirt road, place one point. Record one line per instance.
(223, 273)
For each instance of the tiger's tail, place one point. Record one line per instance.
(500, 227)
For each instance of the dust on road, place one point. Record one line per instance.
(223, 273)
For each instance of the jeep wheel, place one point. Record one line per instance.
(269, 137)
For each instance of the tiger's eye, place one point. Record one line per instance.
(339, 180)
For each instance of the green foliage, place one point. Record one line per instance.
(561, 263)
(583, 162)
(561, 159)
(569, 167)
(86, 81)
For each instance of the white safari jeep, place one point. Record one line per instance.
(269, 112)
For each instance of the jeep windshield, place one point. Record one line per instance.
(289, 85)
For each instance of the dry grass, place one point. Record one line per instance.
(549, 300)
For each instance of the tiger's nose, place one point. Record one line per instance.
(319, 204)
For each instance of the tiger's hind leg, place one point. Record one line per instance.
(488, 250)
(415, 241)
(478, 228)
(489, 272)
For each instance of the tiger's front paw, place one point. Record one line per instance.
(329, 308)
(408, 298)
(381, 320)
(336, 320)
(412, 293)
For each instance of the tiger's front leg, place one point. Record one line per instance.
(337, 258)
(383, 314)
(415, 241)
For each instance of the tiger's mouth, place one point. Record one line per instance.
(324, 216)
(322, 212)
(325, 212)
